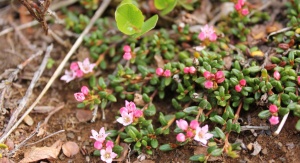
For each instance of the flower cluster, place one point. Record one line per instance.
(207, 33)
(276, 75)
(274, 120)
(189, 70)
(239, 7)
(81, 96)
(193, 131)
(77, 70)
(240, 86)
(161, 72)
(105, 146)
(129, 113)
(127, 55)
(213, 79)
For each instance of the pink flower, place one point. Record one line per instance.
(109, 144)
(125, 119)
(127, 56)
(182, 124)
(202, 134)
(186, 70)
(130, 106)
(86, 66)
(238, 88)
(180, 137)
(167, 73)
(237, 6)
(107, 155)
(276, 75)
(69, 76)
(241, 2)
(159, 71)
(74, 66)
(79, 96)
(192, 69)
(298, 80)
(123, 109)
(207, 32)
(194, 124)
(243, 82)
(138, 113)
(99, 136)
(220, 77)
(245, 12)
(79, 73)
(274, 120)
(127, 48)
(98, 144)
(208, 84)
(190, 134)
(207, 75)
(273, 108)
(85, 90)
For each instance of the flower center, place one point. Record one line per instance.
(127, 119)
(107, 155)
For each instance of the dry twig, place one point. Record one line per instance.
(98, 13)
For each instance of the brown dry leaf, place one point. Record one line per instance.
(124, 152)
(159, 61)
(84, 115)
(258, 32)
(138, 99)
(39, 153)
(257, 148)
(25, 17)
(228, 62)
(70, 148)
(5, 160)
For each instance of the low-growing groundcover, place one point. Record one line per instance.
(211, 89)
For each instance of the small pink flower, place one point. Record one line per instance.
(79, 96)
(220, 77)
(69, 76)
(245, 12)
(276, 75)
(125, 119)
(192, 69)
(207, 75)
(186, 70)
(298, 80)
(202, 134)
(74, 66)
(130, 106)
(159, 71)
(241, 2)
(107, 155)
(138, 113)
(127, 56)
(182, 124)
(190, 134)
(273, 108)
(127, 48)
(85, 90)
(109, 144)
(237, 6)
(79, 73)
(180, 137)
(243, 82)
(238, 88)
(99, 136)
(123, 110)
(274, 120)
(167, 73)
(194, 124)
(208, 84)
(207, 32)
(98, 145)
(86, 66)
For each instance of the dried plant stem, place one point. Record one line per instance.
(98, 13)
(55, 133)
(95, 113)
(244, 128)
(281, 124)
(279, 31)
(28, 93)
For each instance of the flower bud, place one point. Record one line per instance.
(167, 73)
(298, 80)
(159, 71)
(208, 84)
(243, 82)
(192, 69)
(186, 70)
(79, 96)
(238, 88)
(273, 108)
(127, 48)
(127, 56)
(207, 75)
(85, 90)
(274, 120)
(182, 124)
(245, 12)
(276, 75)
(74, 66)
(180, 137)
(194, 124)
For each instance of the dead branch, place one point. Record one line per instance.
(24, 100)
(57, 72)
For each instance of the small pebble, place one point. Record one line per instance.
(28, 120)
(279, 144)
(264, 151)
(282, 159)
(87, 159)
(70, 135)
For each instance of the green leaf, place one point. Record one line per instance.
(220, 133)
(218, 119)
(112, 98)
(170, 7)
(81, 105)
(92, 81)
(118, 149)
(96, 153)
(154, 143)
(150, 111)
(264, 114)
(165, 147)
(148, 25)
(129, 18)
(217, 152)
(200, 158)
(298, 125)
